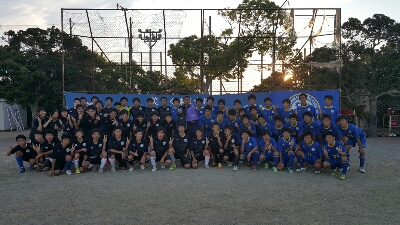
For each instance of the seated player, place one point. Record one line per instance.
(231, 148)
(107, 109)
(140, 122)
(180, 146)
(45, 150)
(309, 125)
(310, 152)
(268, 150)
(286, 111)
(216, 145)
(169, 125)
(286, 147)
(249, 149)
(138, 150)
(99, 107)
(23, 152)
(327, 126)
(247, 126)
(80, 146)
(152, 126)
(335, 155)
(37, 123)
(160, 145)
(117, 106)
(73, 111)
(237, 105)
(62, 156)
(233, 122)
(253, 115)
(198, 148)
(276, 130)
(96, 152)
(53, 123)
(296, 128)
(206, 121)
(89, 122)
(118, 147)
(354, 135)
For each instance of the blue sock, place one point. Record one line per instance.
(68, 165)
(276, 160)
(291, 160)
(362, 159)
(344, 166)
(256, 157)
(19, 161)
(300, 160)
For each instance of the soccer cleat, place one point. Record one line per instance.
(259, 162)
(31, 167)
(68, 172)
(229, 163)
(21, 170)
(173, 166)
(77, 171)
(342, 177)
(131, 168)
(90, 166)
(101, 171)
(162, 166)
(317, 171)
(266, 166)
(235, 168)
(362, 170)
(219, 166)
(154, 169)
(207, 166)
(298, 164)
(290, 170)
(142, 167)
(93, 168)
(248, 164)
(275, 169)
(348, 168)
(334, 172)
(301, 169)
(113, 169)
(255, 167)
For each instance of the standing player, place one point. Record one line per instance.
(206, 121)
(335, 155)
(305, 107)
(247, 126)
(286, 148)
(237, 104)
(136, 108)
(152, 126)
(124, 102)
(66, 122)
(296, 128)
(269, 111)
(310, 152)
(249, 149)
(164, 109)
(354, 136)
(268, 150)
(107, 109)
(73, 111)
(276, 131)
(329, 109)
(23, 152)
(150, 109)
(286, 111)
(261, 126)
(90, 121)
(37, 123)
(170, 126)
(126, 124)
(96, 152)
(252, 102)
(118, 146)
(233, 122)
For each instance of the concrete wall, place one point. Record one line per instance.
(5, 116)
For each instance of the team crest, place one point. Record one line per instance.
(337, 148)
(84, 144)
(164, 143)
(28, 150)
(68, 150)
(100, 145)
(203, 142)
(141, 145)
(167, 109)
(128, 125)
(311, 100)
(332, 111)
(233, 140)
(297, 128)
(152, 110)
(122, 143)
(157, 125)
(185, 140)
(313, 149)
(250, 144)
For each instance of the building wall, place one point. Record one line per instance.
(6, 121)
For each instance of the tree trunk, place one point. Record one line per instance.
(373, 120)
(207, 84)
(34, 107)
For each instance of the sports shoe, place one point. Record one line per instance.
(229, 163)
(100, 170)
(362, 170)
(301, 169)
(94, 168)
(219, 166)
(142, 167)
(235, 168)
(258, 163)
(162, 166)
(248, 164)
(348, 168)
(334, 172)
(342, 177)
(275, 169)
(113, 169)
(207, 166)
(77, 171)
(90, 166)
(266, 166)
(290, 170)
(31, 167)
(317, 171)
(131, 168)
(173, 166)
(255, 167)
(68, 172)
(21, 170)
(154, 169)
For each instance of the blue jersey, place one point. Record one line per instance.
(313, 150)
(249, 144)
(235, 130)
(352, 131)
(304, 108)
(269, 115)
(333, 151)
(221, 124)
(200, 111)
(254, 118)
(218, 109)
(284, 145)
(174, 111)
(313, 127)
(247, 109)
(331, 128)
(206, 123)
(332, 111)
(276, 132)
(296, 129)
(260, 128)
(262, 143)
(285, 114)
(248, 128)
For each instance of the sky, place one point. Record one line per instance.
(21, 14)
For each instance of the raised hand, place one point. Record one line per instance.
(207, 141)
(105, 139)
(171, 140)
(148, 124)
(151, 139)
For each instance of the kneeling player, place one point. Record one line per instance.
(216, 145)
(249, 149)
(138, 150)
(286, 146)
(310, 152)
(160, 146)
(62, 156)
(96, 152)
(231, 148)
(268, 150)
(23, 152)
(80, 150)
(198, 148)
(180, 146)
(118, 146)
(335, 155)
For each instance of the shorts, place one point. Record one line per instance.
(60, 164)
(165, 159)
(160, 155)
(231, 155)
(28, 156)
(120, 160)
(334, 163)
(353, 141)
(286, 159)
(269, 156)
(139, 157)
(199, 157)
(311, 159)
(184, 160)
(48, 162)
(96, 160)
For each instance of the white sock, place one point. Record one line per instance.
(103, 162)
(76, 163)
(153, 161)
(207, 160)
(112, 162)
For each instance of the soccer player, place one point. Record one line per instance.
(199, 107)
(84, 102)
(150, 109)
(124, 102)
(276, 131)
(252, 102)
(247, 126)
(61, 156)
(139, 122)
(286, 147)
(253, 115)
(309, 125)
(305, 107)
(354, 135)
(170, 126)
(93, 100)
(80, 113)
(99, 107)
(296, 128)
(261, 126)
(45, 150)
(210, 102)
(23, 152)
(327, 126)
(216, 145)
(138, 150)
(237, 104)
(152, 125)
(175, 110)
(72, 111)
(89, 122)
(126, 124)
(286, 111)
(118, 146)
(117, 106)
(231, 148)
(233, 122)
(37, 123)
(197, 148)
(66, 122)
(269, 111)
(136, 108)
(180, 146)
(220, 119)
(206, 120)
(107, 109)
(53, 123)
(329, 109)
(222, 108)
(164, 108)
(96, 152)
(268, 150)
(160, 145)
(80, 146)
(107, 124)
(310, 152)
(335, 155)
(249, 149)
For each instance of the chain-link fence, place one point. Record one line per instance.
(125, 38)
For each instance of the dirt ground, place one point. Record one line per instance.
(204, 196)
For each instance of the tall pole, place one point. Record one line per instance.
(130, 54)
(150, 48)
(62, 57)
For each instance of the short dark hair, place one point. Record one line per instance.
(123, 98)
(221, 101)
(98, 102)
(252, 107)
(115, 110)
(79, 106)
(77, 99)
(95, 130)
(20, 136)
(307, 114)
(83, 97)
(308, 133)
(163, 97)
(48, 131)
(267, 98)
(91, 107)
(286, 129)
(210, 97)
(293, 116)
(245, 116)
(261, 116)
(231, 112)
(168, 114)
(244, 131)
(330, 133)
(150, 100)
(138, 130)
(117, 103)
(328, 97)
(278, 118)
(215, 124)
(118, 128)
(94, 97)
(286, 100)
(40, 109)
(140, 113)
(66, 136)
(251, 96)
(326, 116)
(180, 125)
(342, 117)
(302, 94)
(109, 98)
(265, 132)
(220, 112)
(237, 101)
(161, 129)
(176, 100)
(242, 110)
(136, 99)
(208, 107)
(228, 127)
(199, 100)
(124, 111)
(78, 130)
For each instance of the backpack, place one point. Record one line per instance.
(191, 114)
